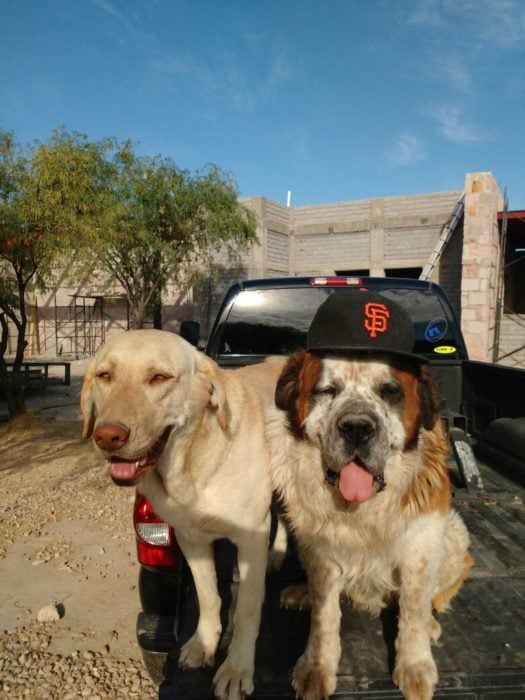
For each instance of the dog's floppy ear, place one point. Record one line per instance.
(429, 398)
(294, 388)
(86, 402)
(219, 402)
(287, 389)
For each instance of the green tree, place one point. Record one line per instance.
(168, 225)
(51, 195)
(141, 220)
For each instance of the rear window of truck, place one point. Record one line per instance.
(276, 321)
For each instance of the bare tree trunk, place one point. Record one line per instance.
(157, 310)
(11, 382)
(138, 314)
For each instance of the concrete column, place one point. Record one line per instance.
(290, 232)
(377, 238)
(480, 263)
(258, 251)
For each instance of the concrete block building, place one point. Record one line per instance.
(453, 238)
(464, 240)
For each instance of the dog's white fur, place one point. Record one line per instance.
(212, 479)
(404, 541)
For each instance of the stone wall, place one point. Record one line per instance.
(480, 264)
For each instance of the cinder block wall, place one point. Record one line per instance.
(512, 340)
(386, 234)
(372, 234)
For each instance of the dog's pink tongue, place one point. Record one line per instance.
(355, 483)
(123, 473)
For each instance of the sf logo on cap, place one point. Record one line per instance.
(376, 320)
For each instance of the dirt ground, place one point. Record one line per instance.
(66, 537)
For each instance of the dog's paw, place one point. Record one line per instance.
(295, 597)
(232, 683)
(195, 654)
(313, 681)
(416, 680)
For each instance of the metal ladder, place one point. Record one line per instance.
(444, 237)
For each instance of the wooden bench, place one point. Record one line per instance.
(38, 370)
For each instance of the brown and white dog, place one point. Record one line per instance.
(360, 466)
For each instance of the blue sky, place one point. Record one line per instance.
(332, 99)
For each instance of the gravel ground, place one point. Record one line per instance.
(29, 670)
(67, 556)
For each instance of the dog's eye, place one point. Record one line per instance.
(105, 376)
(159, 378)
(391, 392)
(325, 391)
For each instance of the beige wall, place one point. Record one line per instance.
(372, 234)
(511, 351)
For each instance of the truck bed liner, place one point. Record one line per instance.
(481, 653)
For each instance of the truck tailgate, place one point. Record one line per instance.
(481, 653)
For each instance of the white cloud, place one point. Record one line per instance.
(455, 71)
(294, 141)
(493, 23)
(173, 66)
(407, 149)
(230, 78)
(280, 66)
(453, 126)
(108, 7)
(498, 23)
(427, 13)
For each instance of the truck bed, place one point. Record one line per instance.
(481, 653)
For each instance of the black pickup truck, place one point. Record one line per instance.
(482, 654)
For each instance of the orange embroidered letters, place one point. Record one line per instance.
(377, 316)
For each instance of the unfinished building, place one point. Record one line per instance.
(465, 240)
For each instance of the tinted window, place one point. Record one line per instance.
(433, 325)
(276, 321)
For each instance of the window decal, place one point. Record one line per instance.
(445, 349)
(436, 330)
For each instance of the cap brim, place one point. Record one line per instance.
(354, 350)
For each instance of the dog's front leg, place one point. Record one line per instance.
(199, 650)
(234, 678)
(415, 670)
(315, 674)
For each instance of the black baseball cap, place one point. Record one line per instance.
(361, 321)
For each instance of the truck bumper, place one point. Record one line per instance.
(156, 638)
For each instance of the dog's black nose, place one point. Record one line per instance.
(356, 431)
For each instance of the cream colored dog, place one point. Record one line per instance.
(192, 438)
(361, 469)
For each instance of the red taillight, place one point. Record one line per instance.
(156, 543)
(339, 281)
